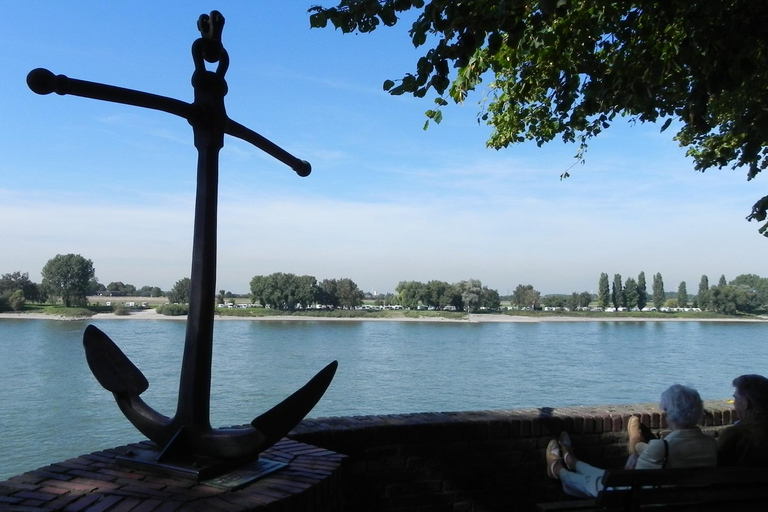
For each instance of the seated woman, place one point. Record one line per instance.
(685, 447)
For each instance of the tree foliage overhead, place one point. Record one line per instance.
(562, 68)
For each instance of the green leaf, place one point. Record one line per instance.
(318, 20)
(387, 15)
(397, 91)
(666, 124)
(388, 84)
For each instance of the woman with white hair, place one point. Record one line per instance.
(685, 447)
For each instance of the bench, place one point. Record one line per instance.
(675, 489)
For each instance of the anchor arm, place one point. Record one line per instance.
(157, 427)
(116, 373)
(42, 81)
(300, 167)
(280, 419)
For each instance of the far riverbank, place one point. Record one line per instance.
(151, 314)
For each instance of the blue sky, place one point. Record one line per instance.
(386, 201)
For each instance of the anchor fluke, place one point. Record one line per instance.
(279, 420)
(114, 371)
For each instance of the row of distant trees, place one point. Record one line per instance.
(573, 301)
(67, 278)
(16, 290)
(746, 293)
(70, 278)
(289, 292)
(468, 295)
(120, 289)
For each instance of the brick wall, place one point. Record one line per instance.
(475, 461)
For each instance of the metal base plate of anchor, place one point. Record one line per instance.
(225, 474)
(245, 475)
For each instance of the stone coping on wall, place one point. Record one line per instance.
(527, 422)
(311, 480)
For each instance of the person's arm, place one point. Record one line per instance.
(727, 442)
(652, 457)
(631, 462)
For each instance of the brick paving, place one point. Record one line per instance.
(96, 483)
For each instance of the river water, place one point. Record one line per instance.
(52, 408)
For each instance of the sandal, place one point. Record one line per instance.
(553, 457)
(567, 448)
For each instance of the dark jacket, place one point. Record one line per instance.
(744, 444)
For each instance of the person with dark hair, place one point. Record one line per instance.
(746, 442)
(685, 447)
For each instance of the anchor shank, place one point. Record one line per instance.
(195, 384)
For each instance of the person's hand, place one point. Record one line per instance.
(631, 461)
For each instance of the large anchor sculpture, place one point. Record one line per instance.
(187, 438)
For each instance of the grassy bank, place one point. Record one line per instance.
(93, 309)
(362, 314)
(58, 310)
(694, 315)
(340, 313)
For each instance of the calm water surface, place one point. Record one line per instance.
(52, 408)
